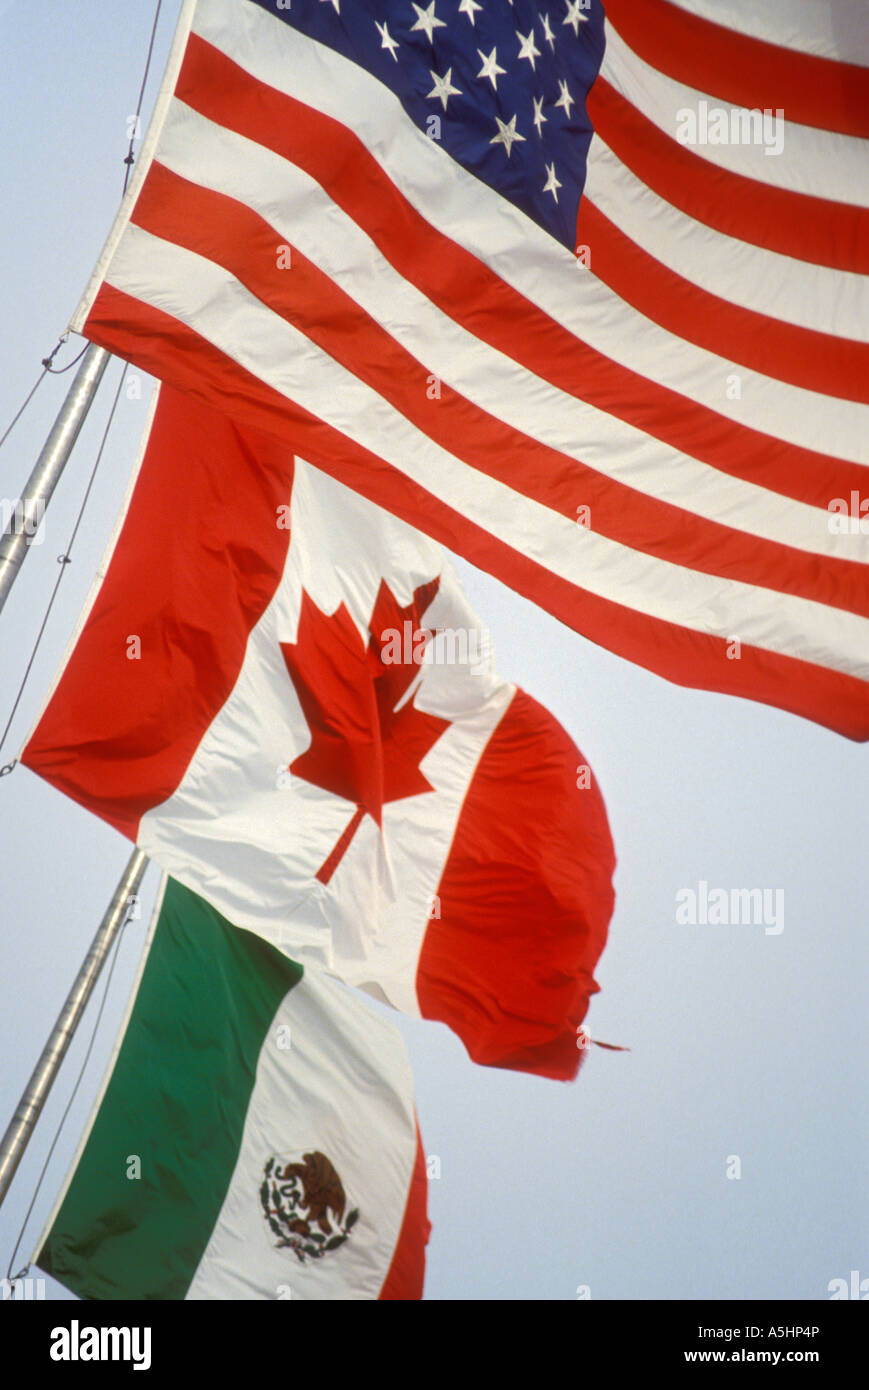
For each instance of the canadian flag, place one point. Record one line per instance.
(280, 692)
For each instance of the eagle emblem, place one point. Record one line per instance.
(303, 1202)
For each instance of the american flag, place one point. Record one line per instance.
(604, 336)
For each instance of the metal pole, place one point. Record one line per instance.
(27, 514)
(21, 1127)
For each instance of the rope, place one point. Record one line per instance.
(63, 560)
(18, 414)
(129, 161)
(46, 367)
(130, 158)
(68, 1106)
(59, 371)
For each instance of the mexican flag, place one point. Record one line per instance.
(255, 1137)
(281, 693)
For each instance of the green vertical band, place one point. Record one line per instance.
(177, 1100)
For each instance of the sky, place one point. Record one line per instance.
(745, 1044)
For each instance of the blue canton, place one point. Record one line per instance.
(502, 84)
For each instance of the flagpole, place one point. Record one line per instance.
(22, 1124)
(25, 518)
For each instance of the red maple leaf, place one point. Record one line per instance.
(367, 739)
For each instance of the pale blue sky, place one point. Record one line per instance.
(742, 1043)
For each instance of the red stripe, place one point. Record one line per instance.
(486, 306)
(119, 733)
(525, 901)
(744, 71)
(407, 1271)
(784, 351)
(158, 343)
(228, 233)
(792, 224)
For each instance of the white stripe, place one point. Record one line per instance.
(817, 162)
(214, 305)
(342, 1088)
(299, 210)
(464, 209)
(766, 282)
(835, 29)
(143, 161)
(804, 418)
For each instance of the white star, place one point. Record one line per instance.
(336, 3)
(387, 41)
(565, 100)
(538, 118)
(527, 46)
(468, 7)
(551, 185)
(427, 21)
(574, 16)
(490, 67)
(547, 32)
(507, 135)
(443, 88)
